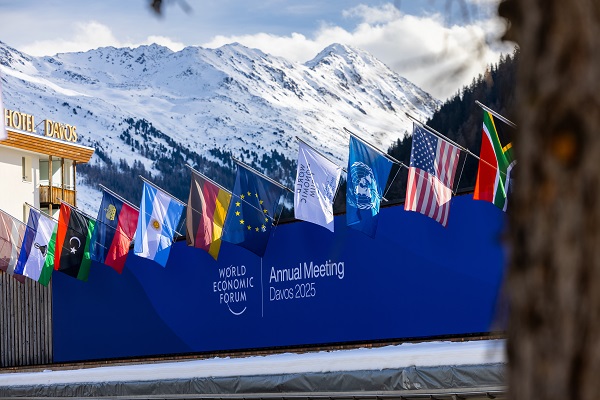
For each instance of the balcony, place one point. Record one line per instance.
(53, 195)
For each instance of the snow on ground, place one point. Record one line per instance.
(389, 357)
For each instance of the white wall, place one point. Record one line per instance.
(14, 190)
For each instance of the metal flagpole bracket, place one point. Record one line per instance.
(162, 190)
(438, 134)
(317, 151)
(107, 190)
(392, 159)
(207, 178)
(495, 114)
(261, 174)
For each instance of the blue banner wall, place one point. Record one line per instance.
(413, 279)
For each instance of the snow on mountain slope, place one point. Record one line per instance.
(233, 99)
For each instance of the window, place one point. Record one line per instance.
(56, 173)
(44, 172)
(26, 169)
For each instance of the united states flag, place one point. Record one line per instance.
(433, 164)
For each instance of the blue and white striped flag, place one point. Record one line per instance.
(158, 219)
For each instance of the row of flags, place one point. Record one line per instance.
(246, 215)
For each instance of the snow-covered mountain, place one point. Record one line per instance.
(232, 100)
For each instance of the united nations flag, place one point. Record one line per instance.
(368, 171)
(251, 212)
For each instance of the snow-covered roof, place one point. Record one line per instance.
(439, 369)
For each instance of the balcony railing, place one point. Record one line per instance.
(53, 195)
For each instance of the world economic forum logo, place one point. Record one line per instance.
(233, 286)
(365, 195)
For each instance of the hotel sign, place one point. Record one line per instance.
(26, 122)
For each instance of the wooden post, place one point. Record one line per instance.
(62, 175)
(50, 185)
(75, 183)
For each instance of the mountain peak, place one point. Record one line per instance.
(335, 51)
(155, 108)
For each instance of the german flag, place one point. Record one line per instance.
(206, 210)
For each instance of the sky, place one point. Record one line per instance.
(440, 45)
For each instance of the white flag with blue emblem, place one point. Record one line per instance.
(157, 223)
(317, 180)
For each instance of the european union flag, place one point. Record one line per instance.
(368, 171)
(251, 212)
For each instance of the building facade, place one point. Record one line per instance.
(36, 170)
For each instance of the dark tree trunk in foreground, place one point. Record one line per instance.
(554, 216)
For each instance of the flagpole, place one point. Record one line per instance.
(12, 217)
(322, 155)
(392, 159)
(57, 221)
(261, 174)
(78, 210)
(318, 152)
(162, 190)
(441, 136)
(170, 195)
(266, 178)
(117, 196)
(497, 115)
(207, 178)
(40, 211)
(438, 134)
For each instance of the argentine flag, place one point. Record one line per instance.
(157, 223)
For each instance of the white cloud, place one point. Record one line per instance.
(374, 15)
(86, 35)
(91, 35)
(440, 59)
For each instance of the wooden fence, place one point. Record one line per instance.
(25, 322)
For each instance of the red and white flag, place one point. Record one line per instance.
(431, 173)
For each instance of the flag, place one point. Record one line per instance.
(250, 217)
(495, 166)
(114, 231)
(46, 273)
(72, 245)
(3, 133)
(206, 210)
(431, 173)
(11, 239)
(368, 171)
(317, 180)
(157, 223)
(35, 245)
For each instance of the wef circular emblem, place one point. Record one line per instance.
(364, 193)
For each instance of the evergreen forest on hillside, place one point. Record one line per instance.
(459, 119)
